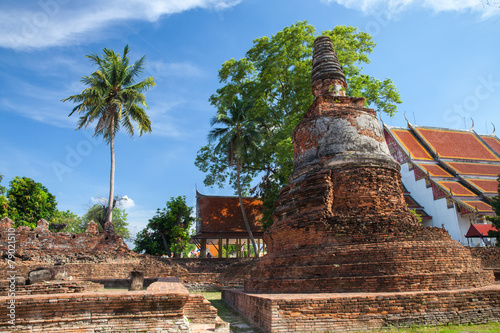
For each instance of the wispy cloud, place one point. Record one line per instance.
(397, 6)
(46, 23)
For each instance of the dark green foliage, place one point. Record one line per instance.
(495, 220)
(29, 201)
(168, 231)
(150, 242)
(275, 77)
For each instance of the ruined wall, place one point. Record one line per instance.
(490, 256)
(43, 245)
(356, 312)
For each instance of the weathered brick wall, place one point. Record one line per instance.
(490, 256)
(355, 312)
(43, 245)
(97, 312)
(51, 287)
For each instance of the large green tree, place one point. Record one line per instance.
(113, 99)
(275, 75)
(238, 140)
(29, 201)
(168, 231)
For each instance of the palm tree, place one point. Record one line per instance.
(239, 139)
(113, 99)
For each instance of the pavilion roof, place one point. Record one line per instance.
(480, 230)
(221, 217)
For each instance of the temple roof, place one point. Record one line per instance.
(462, 166)
(221, 217)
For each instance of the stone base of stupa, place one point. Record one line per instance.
(357, 312)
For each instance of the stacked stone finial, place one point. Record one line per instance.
(327, 75)
(342, 225)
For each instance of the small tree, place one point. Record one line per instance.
(4, 203)
(495, 220)
(29, 202)
(168, 231)
(97, 213)
(67, 222)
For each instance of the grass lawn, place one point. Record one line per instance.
(229, 315)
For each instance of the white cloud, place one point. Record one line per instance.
(394, 7)
(126, 202)
(46, 23)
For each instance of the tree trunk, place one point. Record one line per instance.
(166, 245)
(247, 225)
(109, 217)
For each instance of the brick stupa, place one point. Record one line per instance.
(342, 225)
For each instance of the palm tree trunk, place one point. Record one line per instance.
(109, 217)
(247, 225)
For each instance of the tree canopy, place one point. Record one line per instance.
(168, 231)
(113, 99)
(29, 201)
(275, 77)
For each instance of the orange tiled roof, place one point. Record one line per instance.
(435, 170)
(481, 206)
(493, 142)
(416, 150)
(488, 186)
(457, 188)
(456, 144)
(470, 168)
(219, 214)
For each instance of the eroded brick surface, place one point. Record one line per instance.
(342, 225)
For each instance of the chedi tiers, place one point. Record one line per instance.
(342, 225)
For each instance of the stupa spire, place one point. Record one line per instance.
(327, 75)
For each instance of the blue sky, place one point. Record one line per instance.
(442, 55)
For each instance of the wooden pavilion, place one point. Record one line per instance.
(220, 224)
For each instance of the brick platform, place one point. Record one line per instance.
(354, 312)
(166, 306)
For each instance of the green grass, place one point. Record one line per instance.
(479, 328)
(228, 314)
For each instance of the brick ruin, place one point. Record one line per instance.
(43, 245)
(73, 303)
(344, 252)
(166, 306)
(342, 225)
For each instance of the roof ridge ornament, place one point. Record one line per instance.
(493, 133)
(407, 121)
(472, 127)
